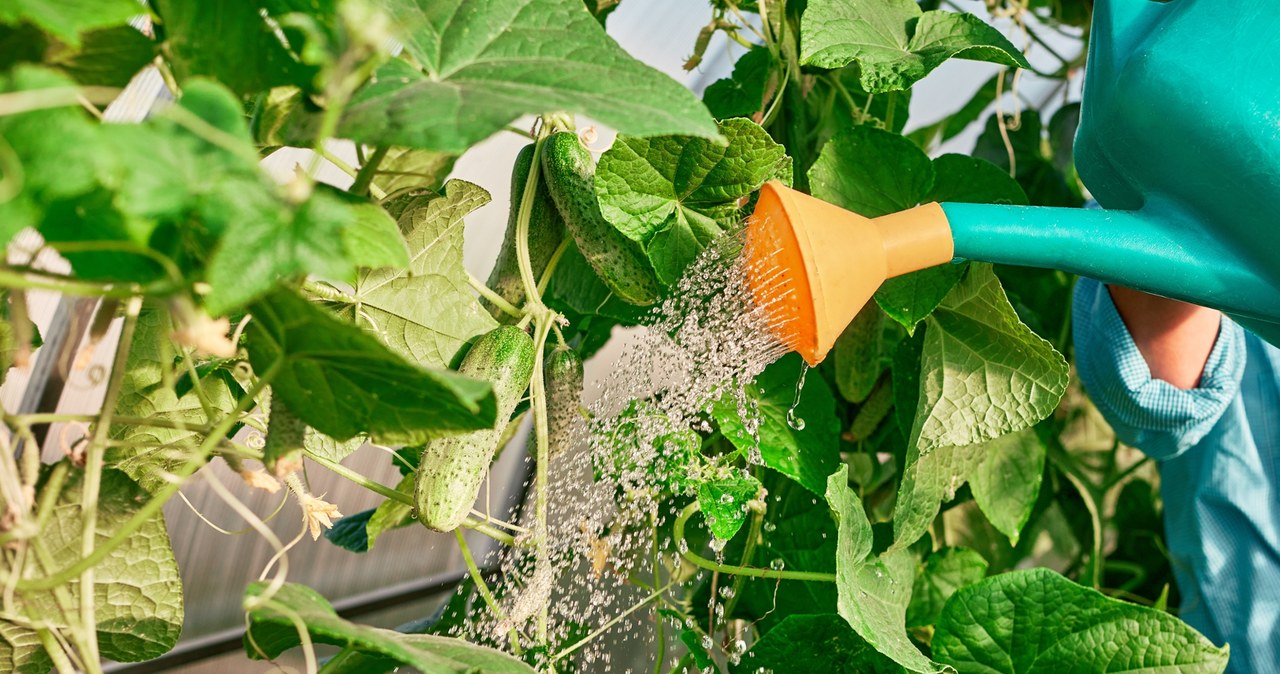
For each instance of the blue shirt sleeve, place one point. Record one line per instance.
(1153, 415)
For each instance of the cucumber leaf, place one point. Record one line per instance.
(1007, 482)
(894, 42)
(342, 381)
(1062, 626)
(984, 373)
(272, 632)
(872, 591)
(943, 572)
(67, 19)
(137, 589)
(724, 503)
(231, 41)
(145, 452)
(741, 94)
(805, 455)
(427, 311)
(482, 63)
(674, 194)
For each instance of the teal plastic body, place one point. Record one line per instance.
(1179, 141)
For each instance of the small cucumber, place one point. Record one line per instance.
(546, 231)
(564, 398)
(285, 438)
(872, 412)
(618, 261)
(451, 468)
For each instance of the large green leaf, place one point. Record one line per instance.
(872, 592)
(983, 372)
(230, 41)
(272, 632)
(1007, 482)
(927, 481)
(427, 311)
(805, 455)
(108, 57)
(956, 178)
(342, 381)
(1036, 622)
(894, 43)
(67, 19)
(871, 172)
(137, 589)
(742, 94)
(808, 644)
(482, 63)
(57, 151)
(944, 571)
(147, 453)
(330, 235)
(674, 195)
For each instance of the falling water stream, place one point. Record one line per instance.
(698, 349)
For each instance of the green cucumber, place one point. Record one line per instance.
(569, 173)
(285, 439)
(564, 398)
(451, 469)
(546, 231)
(873, 411)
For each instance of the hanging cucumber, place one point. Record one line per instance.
(546, 231)
(451, 469)
(564, 398)
(285, 434)
(569, 172)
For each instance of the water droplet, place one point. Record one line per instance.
(777, 564)
(770, 527)
(793, 420)
(726, 498)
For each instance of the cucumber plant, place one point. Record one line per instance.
(866, 539)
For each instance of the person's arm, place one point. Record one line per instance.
(1175, 338)
(1137, 381)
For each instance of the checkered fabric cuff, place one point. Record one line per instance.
(1153, 415)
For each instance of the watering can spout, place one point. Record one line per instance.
(1156, 249)
(835, 260)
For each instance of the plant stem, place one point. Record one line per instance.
(483, 589)
(753, 572)
(493, 297)
(1095, 519)
(54, 649)
(748, 550)
(532, 296)
(538, 396)
(94, 455)
(364, 179)
(551, 265)
(614, 621)
(68, 286)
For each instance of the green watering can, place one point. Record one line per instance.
(1179, 141)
